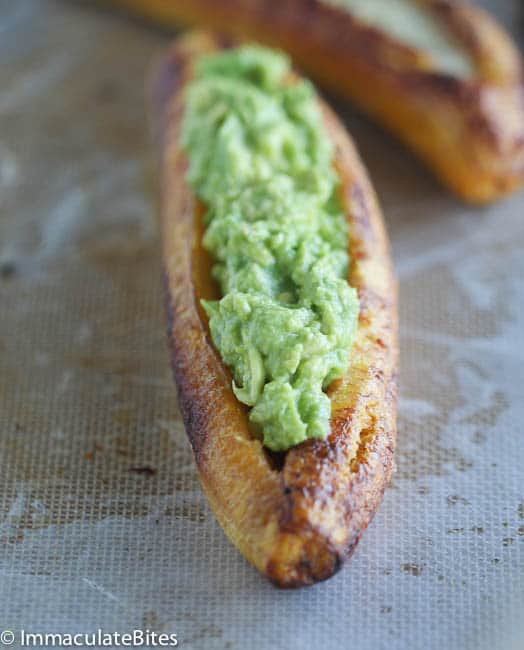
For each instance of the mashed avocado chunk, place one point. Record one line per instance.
(261, 162)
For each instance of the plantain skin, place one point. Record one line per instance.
(296, 519)
(469, 132)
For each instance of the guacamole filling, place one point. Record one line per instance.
(261, 162)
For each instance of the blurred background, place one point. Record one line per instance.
(102, 520)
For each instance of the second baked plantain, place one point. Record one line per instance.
(440, 74)
(281, 303)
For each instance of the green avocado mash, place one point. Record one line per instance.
(261, 162)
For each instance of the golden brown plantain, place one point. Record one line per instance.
(294, 516)
(469, 131)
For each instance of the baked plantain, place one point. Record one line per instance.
(460, 109)
(296, 515)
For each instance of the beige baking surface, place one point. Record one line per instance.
(102, 522)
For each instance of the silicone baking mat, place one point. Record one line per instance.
(102, 521)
